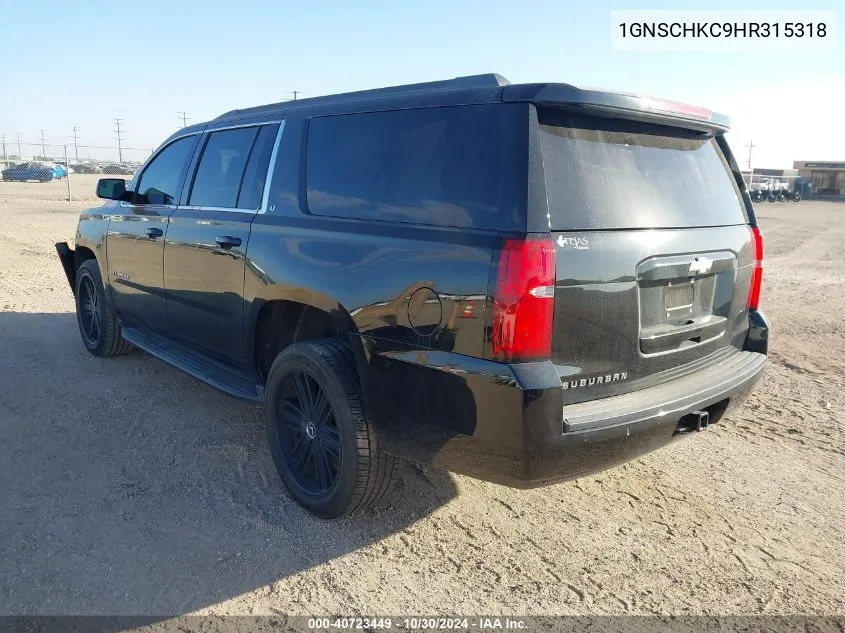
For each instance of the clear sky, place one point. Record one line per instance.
(85, 62)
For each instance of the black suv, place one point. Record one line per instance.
(521, 283)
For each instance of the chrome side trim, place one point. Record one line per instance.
(266, 193)
(123, 204)
(189, 207)
(211, 130)
(265, 197)
(207, 129)
(161, 148)
(176, 138)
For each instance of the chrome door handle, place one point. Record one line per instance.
(228, 241)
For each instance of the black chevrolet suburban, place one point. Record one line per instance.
(521, 283)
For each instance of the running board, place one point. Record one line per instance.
(196, 364)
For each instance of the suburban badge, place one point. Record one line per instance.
(581, 383)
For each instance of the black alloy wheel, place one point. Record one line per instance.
(324, 447)
(98, 322)
(89, 311)
(308, 433)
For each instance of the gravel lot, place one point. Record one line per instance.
(131, 488)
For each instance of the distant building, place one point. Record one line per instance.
(777, 173)
(827, 178)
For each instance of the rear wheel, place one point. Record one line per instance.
(323, 446)
(97, 320)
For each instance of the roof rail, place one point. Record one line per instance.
(488, 80)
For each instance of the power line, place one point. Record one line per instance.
(119, 140)
(185, 116)
(76, 143)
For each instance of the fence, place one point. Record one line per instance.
(66, 172)
(761, 181)
(79, 166)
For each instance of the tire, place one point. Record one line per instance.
(324, 448)
(97, 320)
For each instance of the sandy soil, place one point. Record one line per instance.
(129, 487)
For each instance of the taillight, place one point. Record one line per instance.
(757, 271)
(523, 299)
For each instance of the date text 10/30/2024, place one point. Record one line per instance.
(416, 623)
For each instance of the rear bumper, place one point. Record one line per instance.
(507, 423)
(606, 432)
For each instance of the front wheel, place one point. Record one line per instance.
(97, 320)
(324, 448)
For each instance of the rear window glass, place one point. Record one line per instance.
(428, 166)
(607, 173)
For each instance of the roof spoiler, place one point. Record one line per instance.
(488, 80)
(608, 103)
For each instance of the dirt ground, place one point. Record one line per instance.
(131, 488)
(82, 189)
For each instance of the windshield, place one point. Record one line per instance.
(616, 174)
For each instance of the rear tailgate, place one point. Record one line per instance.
(653, 252)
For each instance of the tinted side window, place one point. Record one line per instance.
(430, 166)
(162, 177)
(221, 167)
(252, 188)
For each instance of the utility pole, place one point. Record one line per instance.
(3, 136)
(184, 116)
(295, 93)
(75, 141)
(20, 154)
(750, 146)
(67, 180)
(43, 151)
(119, 140)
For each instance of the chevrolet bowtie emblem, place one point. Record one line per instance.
(700, 266)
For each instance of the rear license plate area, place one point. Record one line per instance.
(678, 300)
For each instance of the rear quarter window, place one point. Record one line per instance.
(615, 174)
(436, 166)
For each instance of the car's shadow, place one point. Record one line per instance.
(131, 488)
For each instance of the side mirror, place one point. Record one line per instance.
(111, 188)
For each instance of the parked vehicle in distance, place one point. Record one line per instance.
(87, 168)
(772, 190)
(59, 171)
(123, 170)
(520, 283)
(29, 171)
